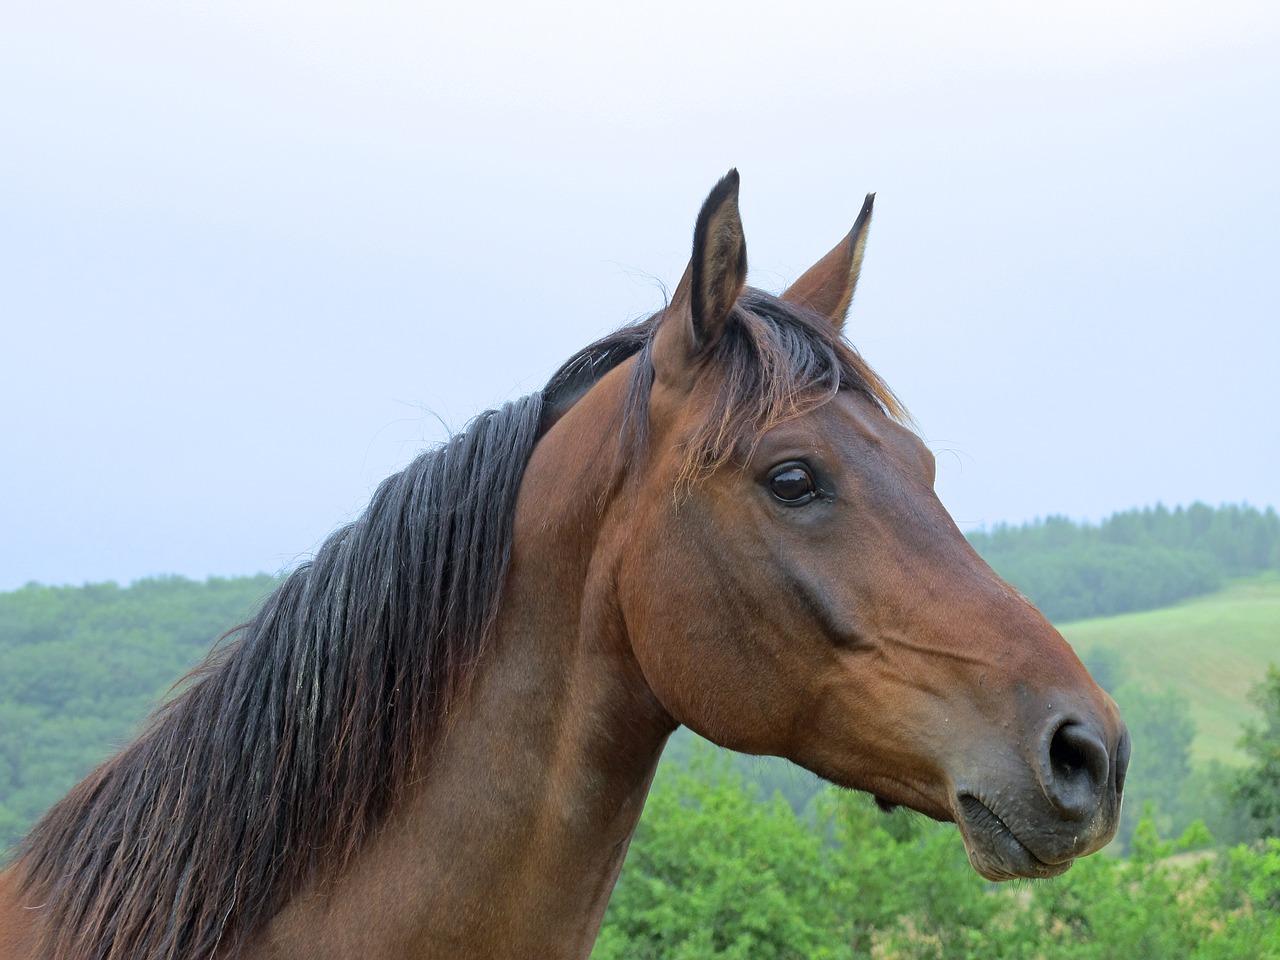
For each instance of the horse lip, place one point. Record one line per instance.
(994, 849)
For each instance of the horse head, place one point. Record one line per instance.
(792, 585)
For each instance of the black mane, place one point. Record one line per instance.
(294, 740)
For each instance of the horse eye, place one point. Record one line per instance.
(793, 485)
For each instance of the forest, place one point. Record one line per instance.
(1133, 560)
(744, 857)
(80, 667)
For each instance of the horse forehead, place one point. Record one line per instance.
(847, 419)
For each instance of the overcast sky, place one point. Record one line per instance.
(255, 255)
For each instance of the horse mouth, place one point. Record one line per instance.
(994, 849)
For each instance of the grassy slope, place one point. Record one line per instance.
(1212, 650)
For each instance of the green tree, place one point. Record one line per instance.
(83, 665)
(1210, 794)
(906, 886)
(714, 871)
(1162, 729)
(1258, 786)
(1248, 915)
(1159, 902)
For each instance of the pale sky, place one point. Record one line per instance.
(255, 255)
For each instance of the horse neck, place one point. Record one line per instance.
(511, 841)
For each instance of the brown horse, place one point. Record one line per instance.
(435, 739)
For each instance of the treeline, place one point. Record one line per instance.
(1134, 560)
(81, 666)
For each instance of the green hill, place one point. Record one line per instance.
(81, 666)
(1210, 649)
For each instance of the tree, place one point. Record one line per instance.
(1258, 786)
(907, 889)
(1162, 729)
(81, 666)
(715, 871)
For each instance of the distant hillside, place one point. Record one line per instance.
(1133, 560)
(81, 666)
(1211, 650)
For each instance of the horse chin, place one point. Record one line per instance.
(995, 851)
(888, 806)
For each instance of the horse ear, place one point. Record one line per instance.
(827, 287)
(700, 308)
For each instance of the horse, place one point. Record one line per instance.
(435, 739)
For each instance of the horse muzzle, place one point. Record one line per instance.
(1032, 816)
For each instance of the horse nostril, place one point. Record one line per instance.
(1069, 751)
(1076, 768)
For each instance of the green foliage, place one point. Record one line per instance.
(714, 873)
(1208, 795)
(1252, 875)
(909, 885)
(1151, 905)
(1134, 560)
(1161, 727)
(1099, 579)
(1257, 788)
(84, 665)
